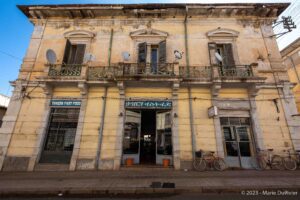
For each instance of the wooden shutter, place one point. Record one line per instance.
(212, 49)
(228, 56)
(162, 52)
(79, 54)
(142, 52)
(67, 52)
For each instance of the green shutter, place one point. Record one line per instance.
(228, 56)
(67, 52)
(162, 51)
(142, 52)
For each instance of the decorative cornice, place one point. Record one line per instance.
(149, 32)
(222, 32)
(79, 34)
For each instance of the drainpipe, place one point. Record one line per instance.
(189, 88)
(110, 46)
(101, 129)
(97, 162)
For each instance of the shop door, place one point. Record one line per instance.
(131, 139)
(148, 137)
(164, 146)
(238, 143)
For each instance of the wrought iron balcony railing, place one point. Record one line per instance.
(147, 69)
(239, 71)
(195, 72)
(130, 69)
(57, 70)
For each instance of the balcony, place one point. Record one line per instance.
(196, 72)
(147, 72)
(131, 70)
(64, 70)
(238, 71)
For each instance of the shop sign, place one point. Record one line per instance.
(65, 103)
(212, 111)
(149, 104)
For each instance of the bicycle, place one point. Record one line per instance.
(202, 160)
(289, 162)
(265, 159)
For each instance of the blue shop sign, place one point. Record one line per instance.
(65, 103)
(149, 104)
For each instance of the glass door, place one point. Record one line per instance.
(164, 147)
(238, 143)
(131, 138)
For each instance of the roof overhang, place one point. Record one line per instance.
(144, 10)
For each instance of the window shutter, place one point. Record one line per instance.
(212, 49)
(67, 52)
(142, 51)
(162, 51)
(228, 56)
(80, 50)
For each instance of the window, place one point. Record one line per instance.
(236, 133)
(74, 53)
(157, 55)
(131, 132)
(60, 137)
(226, 53)
(164, 133)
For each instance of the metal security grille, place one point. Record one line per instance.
(61, 133)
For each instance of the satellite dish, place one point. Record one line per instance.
(125, 56)
(89, 57)
(51, 56)
(218, 56)
(178, 55)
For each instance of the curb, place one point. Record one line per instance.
(86, 192)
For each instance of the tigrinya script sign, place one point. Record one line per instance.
(65, 103)
(149, 104)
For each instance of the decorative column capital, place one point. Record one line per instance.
(215, 89)
(83, 88)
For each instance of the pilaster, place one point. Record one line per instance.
(175, 130)
(83, 91)
(10, 119)
(119, 135)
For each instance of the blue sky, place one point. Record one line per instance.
(16, 31)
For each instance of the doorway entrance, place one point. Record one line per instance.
(147, 136)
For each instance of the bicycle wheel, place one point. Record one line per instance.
(258, 163)
(277, 162)
(289, 163)
(199, 164)
(219, 164)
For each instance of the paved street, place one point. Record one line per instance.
(137, 181)
(173, 197)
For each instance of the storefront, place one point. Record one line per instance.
(147, 135)
(60, 137)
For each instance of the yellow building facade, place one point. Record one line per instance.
(291, 59)
(104, 84)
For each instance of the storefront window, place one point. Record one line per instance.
(131, 133)
(60, 136)
(164, 133)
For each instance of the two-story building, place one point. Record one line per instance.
(101, 84)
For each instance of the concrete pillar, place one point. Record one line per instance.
(119, 135)
(257, 132)
(218, 132)
(9, 120)
(83, 90)
(175, 131)
(290, 110)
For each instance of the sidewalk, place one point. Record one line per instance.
(139, 181)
